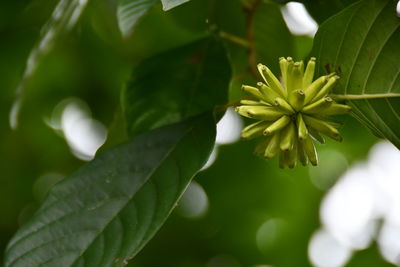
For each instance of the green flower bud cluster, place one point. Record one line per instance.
(292, 112)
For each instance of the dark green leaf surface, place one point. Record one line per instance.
(272, 38)
(169, 4)
(109, 209)
(362, 44)
(175, 85)
(130, 11)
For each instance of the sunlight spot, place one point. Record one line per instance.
(325, 251)
(13, 117)
(365, 197)
(223, 261)
(398, 9)
(384, 166)
(211, 158)
(229, 128)
(194, 202)
(331, 165)
(298, 19)
(84, 135)
(268, 234)
(348, 208)
(389, 242)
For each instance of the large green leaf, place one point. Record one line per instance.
(65, 16)
(104, 213)
(130, 11)
(175, 85)
(272, 38)
(361, 44)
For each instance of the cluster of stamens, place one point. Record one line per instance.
(292, 112)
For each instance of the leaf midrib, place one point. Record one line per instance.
(189, 129)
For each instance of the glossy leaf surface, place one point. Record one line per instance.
(104, 213)
(361, 44)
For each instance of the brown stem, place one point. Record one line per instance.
(251, 59)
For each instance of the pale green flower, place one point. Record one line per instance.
(291, 113)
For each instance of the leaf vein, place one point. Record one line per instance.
(360, 48)
(368, 76)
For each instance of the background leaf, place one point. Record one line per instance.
(169, 4)
(109, 209)
(361, 44)
(64, 17)
(177, 84)
(130, 11)
(272, 38)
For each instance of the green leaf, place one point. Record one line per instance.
(65, 16)
(175, 85)
(322, 10)
(169, 4)
(272, 38)
(130, 11)
(104, 213)
(361, 44)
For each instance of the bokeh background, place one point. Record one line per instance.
(240, 211)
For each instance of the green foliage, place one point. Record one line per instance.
(361, 44)
(179, 71)
(130, 11)
(104, 213)
(175, 85)
(271, 36)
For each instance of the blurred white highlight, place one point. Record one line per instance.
(325, 251)
(83, 134)
(268, 234)
(348, 208)
(398, 9)
(298, 19)
(229, 128)
(223, 261)
(211, 159)
(367, 193)
(194, 202)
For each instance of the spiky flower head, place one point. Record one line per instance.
(291, 112)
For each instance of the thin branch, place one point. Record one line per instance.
(251, 11)
(235, 39)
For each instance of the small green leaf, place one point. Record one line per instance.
(361, 44)
(169, 4)
(175, 85)
(272, 38)
(104, 213)
(130, 11)
(65, 16)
